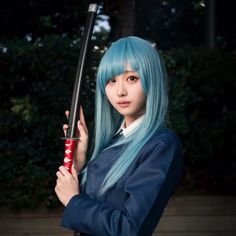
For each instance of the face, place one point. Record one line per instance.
(126, 95)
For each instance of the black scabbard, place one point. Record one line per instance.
(70, 143)
(74, 111)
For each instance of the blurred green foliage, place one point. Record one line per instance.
(202, 112)
(36, 83)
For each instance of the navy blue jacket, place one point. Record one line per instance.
(135, 204)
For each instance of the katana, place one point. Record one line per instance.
(70, 139)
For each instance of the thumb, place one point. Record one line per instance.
(74, 172)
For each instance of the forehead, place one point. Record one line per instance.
(129, 68)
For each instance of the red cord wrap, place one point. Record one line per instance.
(69, 153)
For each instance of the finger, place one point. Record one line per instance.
(67, 114)
(59, 175)
(58, 182)
(82, 118)
(74, 172)
(82, 131)
(65, 128)
(64, 171)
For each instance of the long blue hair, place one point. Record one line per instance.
(145, 60)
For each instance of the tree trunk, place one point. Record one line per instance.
(122, 18)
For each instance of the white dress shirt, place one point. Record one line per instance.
(126, 131)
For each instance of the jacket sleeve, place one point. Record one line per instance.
(95, 217)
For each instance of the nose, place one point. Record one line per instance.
(121, 89)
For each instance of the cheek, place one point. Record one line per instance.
(109, 93)
(139, 94)
(142, 99)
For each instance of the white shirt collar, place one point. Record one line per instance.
(130, 128)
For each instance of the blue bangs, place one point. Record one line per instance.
(115, 62)
(132, 51)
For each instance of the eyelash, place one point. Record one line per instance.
(113, 80)
(132, 76)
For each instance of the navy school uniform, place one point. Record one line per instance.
(135, 204)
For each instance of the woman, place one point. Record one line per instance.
(136, 162)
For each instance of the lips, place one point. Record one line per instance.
(123, 104)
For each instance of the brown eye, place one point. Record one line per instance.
(111, 80)
(132, 78)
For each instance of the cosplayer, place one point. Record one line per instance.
(136, 162)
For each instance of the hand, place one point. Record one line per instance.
(82, 144)
(67, 184)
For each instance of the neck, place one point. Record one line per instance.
(130, 119)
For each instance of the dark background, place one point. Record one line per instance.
(39, 46)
